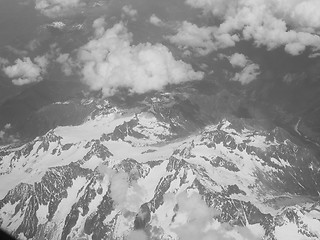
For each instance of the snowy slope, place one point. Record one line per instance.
(149, 171)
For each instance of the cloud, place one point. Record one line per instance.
(238, 60)
(217, 7)
(55, 8)
(192, 217)
(300, 13)
(25, 71)
(16, 51)
(137, 235)
(195, 220)
(4, 130)
(156, 21)
(67, 64)
(106, 171)
(202, 40)
(295, 48)
(119, 188)
(109, 62)
(5, 136)
(196, 208)
(130, 12)
(99, 26)
(2, 133)
(271, 23)
(289, 231)
(33, 44)
(225, 40)
(3, 61)
(249, 72)
(314, 55)
(290, 78)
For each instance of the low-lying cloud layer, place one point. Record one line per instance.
(54, 8)
(272, 23)
(130, 12)
(137, 235)
(109, 62)
(249, 72)
(119, 187)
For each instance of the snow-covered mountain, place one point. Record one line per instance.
(159, 170)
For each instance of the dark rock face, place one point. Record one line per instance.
(143, 217)
(248, 175)
(50, 191)
(97, 149)
(126, 129)
(94, 223)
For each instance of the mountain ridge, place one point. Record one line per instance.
(131, 170)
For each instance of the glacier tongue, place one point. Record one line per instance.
(149, 173)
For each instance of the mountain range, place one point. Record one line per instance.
(161, 166)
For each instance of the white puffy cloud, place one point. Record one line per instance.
(109, 62)
(249, 72)
(300, 13)
(295, 48)
(225, 40)
(202, 40)
(25, 71)
(238, 60)
(272, 23)
(99, 26)
(156, 20)
(54, 8)
(130, 12)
